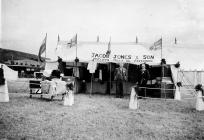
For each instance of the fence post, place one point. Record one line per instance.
(165, 91)
(145, 91)
(195, 76)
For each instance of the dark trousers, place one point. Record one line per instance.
(142, 90)
(119, 88)
(83, 87)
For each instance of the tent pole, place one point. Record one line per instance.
(161, 48)
(76, 68)
(127, 78)
(45, 47)
(162, 68)
(110, 79)
(91, 85)
(161, 79)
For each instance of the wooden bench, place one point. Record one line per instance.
(35, 87)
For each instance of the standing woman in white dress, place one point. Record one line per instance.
(4, 97)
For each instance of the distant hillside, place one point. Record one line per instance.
(6, 54)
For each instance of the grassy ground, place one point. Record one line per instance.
(99, 117)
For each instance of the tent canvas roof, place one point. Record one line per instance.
(120, 52)
(190, 56)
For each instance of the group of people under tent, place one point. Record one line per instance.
(121, 75)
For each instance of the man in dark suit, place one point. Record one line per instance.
(144, 76)
(120, 76)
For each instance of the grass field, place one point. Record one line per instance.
(99, 117)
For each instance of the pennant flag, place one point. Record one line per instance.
(42, 48)
(109, 48)
(58, 40)
(73, 41)
(136, 40)
(157, 45)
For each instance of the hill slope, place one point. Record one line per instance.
(6, 54)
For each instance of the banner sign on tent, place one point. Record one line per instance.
(121, 58)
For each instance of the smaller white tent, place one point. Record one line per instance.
(9, 74)
(190, 57)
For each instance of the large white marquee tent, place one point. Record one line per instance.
(120, 52)
(190, 56)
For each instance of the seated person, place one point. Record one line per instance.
(49, 77)
(55, 85)
(158, 83)
(157, 86)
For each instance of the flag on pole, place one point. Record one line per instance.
(72, 41)
(157, 45)
(42, 48)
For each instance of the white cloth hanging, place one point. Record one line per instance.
(76, 71)
(100, 74)
(92, 66)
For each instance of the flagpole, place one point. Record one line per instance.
(76, 64)
(162, 70)
(76, 45)
(161, 58)
(110, 66)
(161, 48)
(110, 79)
(45, 46)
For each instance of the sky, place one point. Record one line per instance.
(24, 23)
